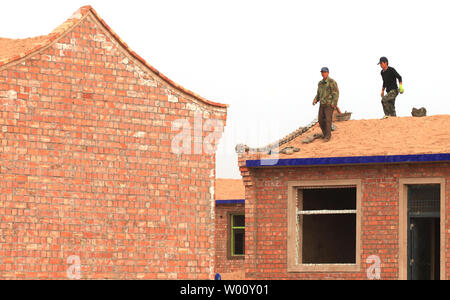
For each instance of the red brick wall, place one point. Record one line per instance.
(87, 168)
(266, 215)
(223, 263)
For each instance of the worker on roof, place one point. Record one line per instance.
(390, 76)
(328, 96)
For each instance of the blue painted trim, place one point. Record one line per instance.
(236, 201)
(388, 159)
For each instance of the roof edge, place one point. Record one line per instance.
(153, 69)
(50, 38)
(234, 201)
(74, 20)
(350, 160)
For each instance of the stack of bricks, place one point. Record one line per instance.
(87, 167)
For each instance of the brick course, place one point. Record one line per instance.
(87, 167)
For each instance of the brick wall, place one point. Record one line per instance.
(266, 215)
(223, 263)
(87, 168)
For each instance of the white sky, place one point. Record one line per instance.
(263, 58)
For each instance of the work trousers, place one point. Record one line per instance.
(325, 119)
(388, 102)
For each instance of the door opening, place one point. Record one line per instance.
(424, 232)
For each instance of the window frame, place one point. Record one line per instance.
(294, 257)
(230, 252)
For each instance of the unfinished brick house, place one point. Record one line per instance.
(374, 202)
(96, 173)
(230, 228)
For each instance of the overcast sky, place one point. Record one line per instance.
(263, 58)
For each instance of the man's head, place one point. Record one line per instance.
(324, 73)
(384, 63)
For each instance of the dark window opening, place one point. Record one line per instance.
(424, 198)
(330, 198)
(327, 219)
(237, 235)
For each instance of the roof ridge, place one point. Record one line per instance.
(47, 39)
(294, 134)
(74, 20)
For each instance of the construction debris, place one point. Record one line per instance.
(289, 150)
(241, 148)
(343, 116)
(311, 138)
(421, 112)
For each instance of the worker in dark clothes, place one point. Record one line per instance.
(328, 96)
(390, 77)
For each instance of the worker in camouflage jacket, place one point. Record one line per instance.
(328, 96)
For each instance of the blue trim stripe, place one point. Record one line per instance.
(236, 201)
(388, 159)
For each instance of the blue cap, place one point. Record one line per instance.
(383, 59)
(324, 69)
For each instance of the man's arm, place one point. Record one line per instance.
(384, 85)
(316, 99)
(397, 76)
(400, 80)
(335, 94)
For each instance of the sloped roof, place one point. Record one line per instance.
(13, 50)
(375, 137)
(229, 189)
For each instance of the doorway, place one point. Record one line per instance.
(424, 224)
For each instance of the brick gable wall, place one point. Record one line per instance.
(87, 168)
(266, 215)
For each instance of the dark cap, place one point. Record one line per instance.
(324, 69)
(383, 59)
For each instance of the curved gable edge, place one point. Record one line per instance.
(74, 21)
